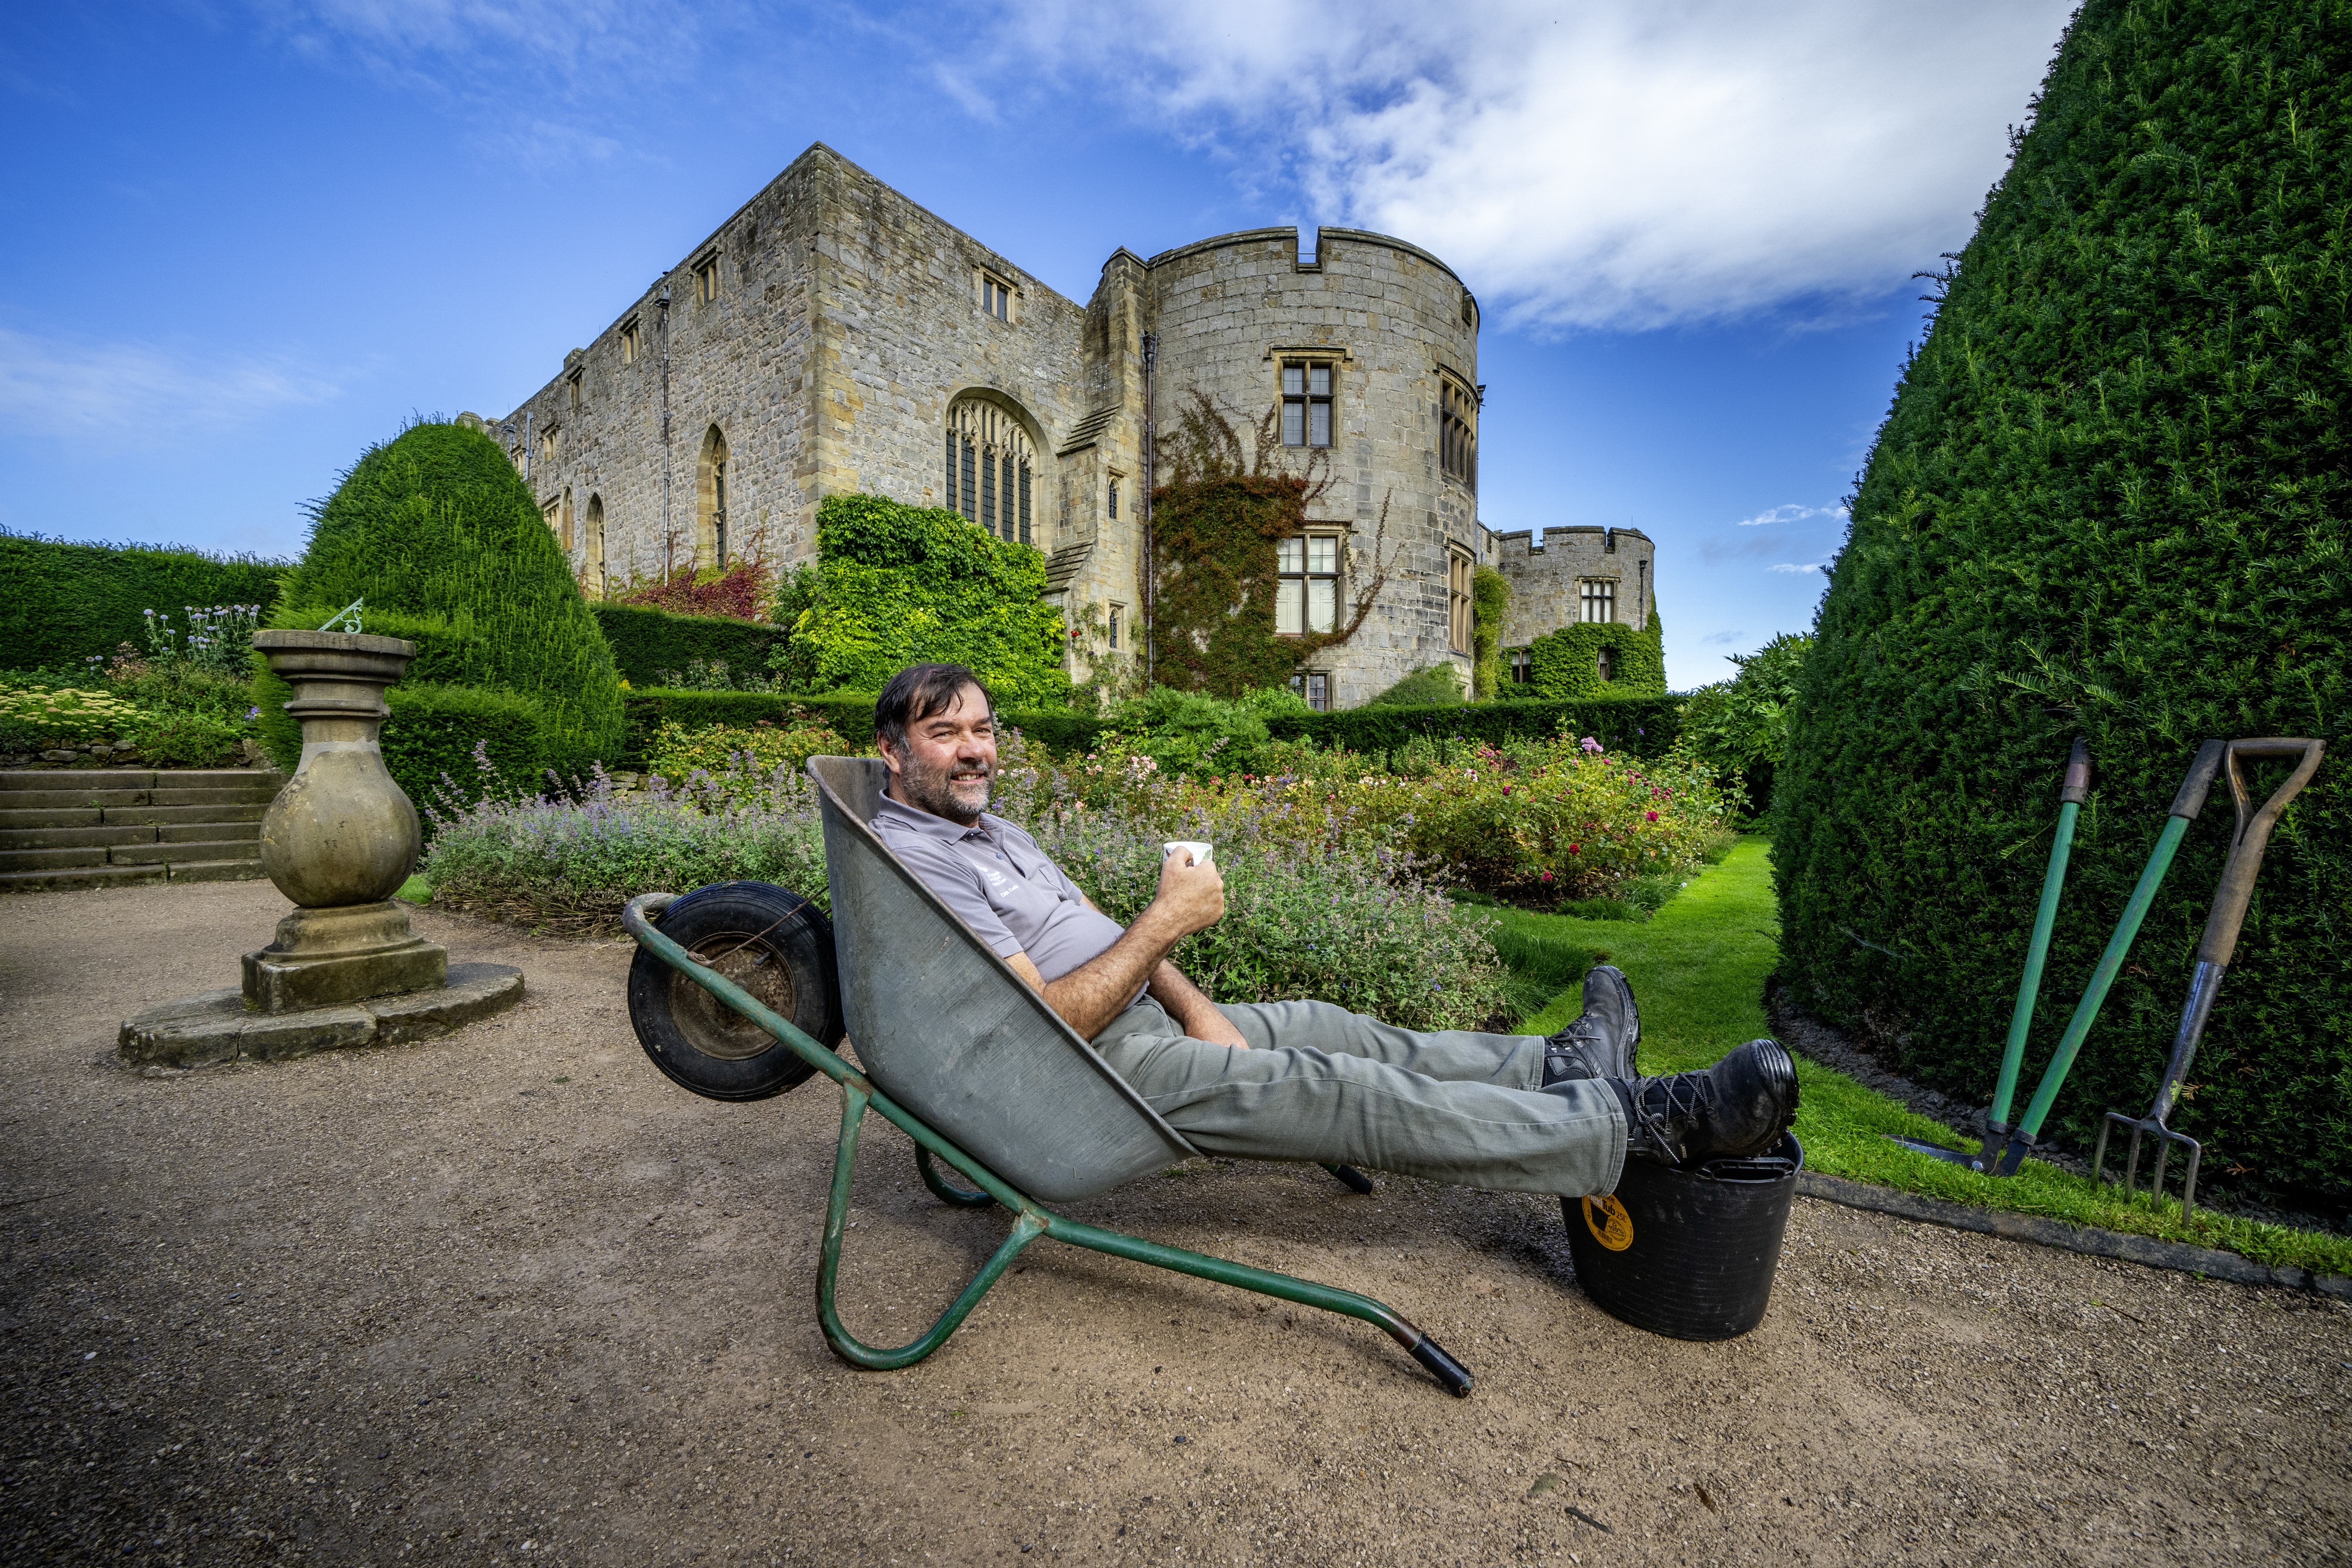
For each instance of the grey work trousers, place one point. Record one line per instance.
(1322, 1083)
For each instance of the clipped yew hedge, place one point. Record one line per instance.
(436, 523)
(60, 603)
(2112, 498)
(649, 644)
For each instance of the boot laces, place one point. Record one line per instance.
(1687, 1095)
(1572, 1047)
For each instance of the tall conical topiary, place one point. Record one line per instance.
(2111, 498)
(437, 525)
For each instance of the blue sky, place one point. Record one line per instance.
(246, 239)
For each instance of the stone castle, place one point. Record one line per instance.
(832, 336)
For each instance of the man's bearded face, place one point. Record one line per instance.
(948, 764)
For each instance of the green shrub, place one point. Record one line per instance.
(1565, 665)
(186, 737)
(465, 736)
(1490, 606)
(900, 584)
(650, 645)
(35, 713)
(61, 604)
(436, 523)
(1431, 685)
(2111, 499)
(1737, 727)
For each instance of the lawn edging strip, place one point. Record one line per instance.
(2088, 1240)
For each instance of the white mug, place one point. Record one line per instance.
(1199, 851)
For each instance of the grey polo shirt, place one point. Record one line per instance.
(995, 878)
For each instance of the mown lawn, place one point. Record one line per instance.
(1699, 969)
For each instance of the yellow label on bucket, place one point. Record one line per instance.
(1610, 1226)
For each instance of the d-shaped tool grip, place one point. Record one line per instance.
(2252, 837)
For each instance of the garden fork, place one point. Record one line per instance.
(2213, 953)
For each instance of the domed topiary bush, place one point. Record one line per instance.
(442, 538)
(2110, 500)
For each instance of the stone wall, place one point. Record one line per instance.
(1548, 576)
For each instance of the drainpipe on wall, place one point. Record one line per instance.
(661, 324)
(1151, 480)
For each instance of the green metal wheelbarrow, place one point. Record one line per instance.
(957, 1052)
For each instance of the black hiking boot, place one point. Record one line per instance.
(1600, 1043)
(1738, 1108)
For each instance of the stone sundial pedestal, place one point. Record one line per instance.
(339, 839)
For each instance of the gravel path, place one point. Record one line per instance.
(509, 1297)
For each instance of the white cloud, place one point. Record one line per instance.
(1619, 163)
(1793, 566)
(1792, 512)
(141, 394)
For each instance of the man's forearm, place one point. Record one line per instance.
(1186, 1002)
(1091, 996)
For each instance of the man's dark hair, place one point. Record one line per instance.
(917, 692)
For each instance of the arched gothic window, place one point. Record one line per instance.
(592, 568)
(710, 503)
(989, 468)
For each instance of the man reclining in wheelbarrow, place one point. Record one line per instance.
(1294, 1080)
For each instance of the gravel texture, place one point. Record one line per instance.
(509, 1297)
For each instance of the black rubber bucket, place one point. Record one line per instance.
(1687, 1254)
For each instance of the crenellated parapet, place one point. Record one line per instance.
(1555, 573)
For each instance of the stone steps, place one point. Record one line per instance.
(104, 827)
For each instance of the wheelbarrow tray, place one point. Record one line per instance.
(962, 1055)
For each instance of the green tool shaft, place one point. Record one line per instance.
(2110, 963)
(2020, 1022)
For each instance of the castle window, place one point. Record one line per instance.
(711, 500)
(1117, 612)
(1523, 667)
(630, 344)
(1459, 618)
(706, 279)
(1457, 431)
(551, 441)
(592, 572)
(1306, 589)
(553, 512)
(1305, 402)
(1601, 664)
(989, 470)
(995, 298)
(1469, 309)
(1599, 599)
(1316, 687)
(571, 390)
(1114, 497)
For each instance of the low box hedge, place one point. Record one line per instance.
(649, 644)
(1646, 726)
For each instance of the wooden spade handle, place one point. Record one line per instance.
(2252, 837)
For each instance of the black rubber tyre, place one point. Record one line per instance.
(770, 941)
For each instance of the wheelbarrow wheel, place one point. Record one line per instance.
(773, 943)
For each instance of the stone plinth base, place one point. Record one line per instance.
(218, 1026)
(323, 957)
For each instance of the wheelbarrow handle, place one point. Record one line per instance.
(2250, 840)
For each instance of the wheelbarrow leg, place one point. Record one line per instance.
(1026, 1228)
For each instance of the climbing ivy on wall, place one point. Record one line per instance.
(897, 586)
(1566, 664)
(1490, 606)
(1216, 527)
